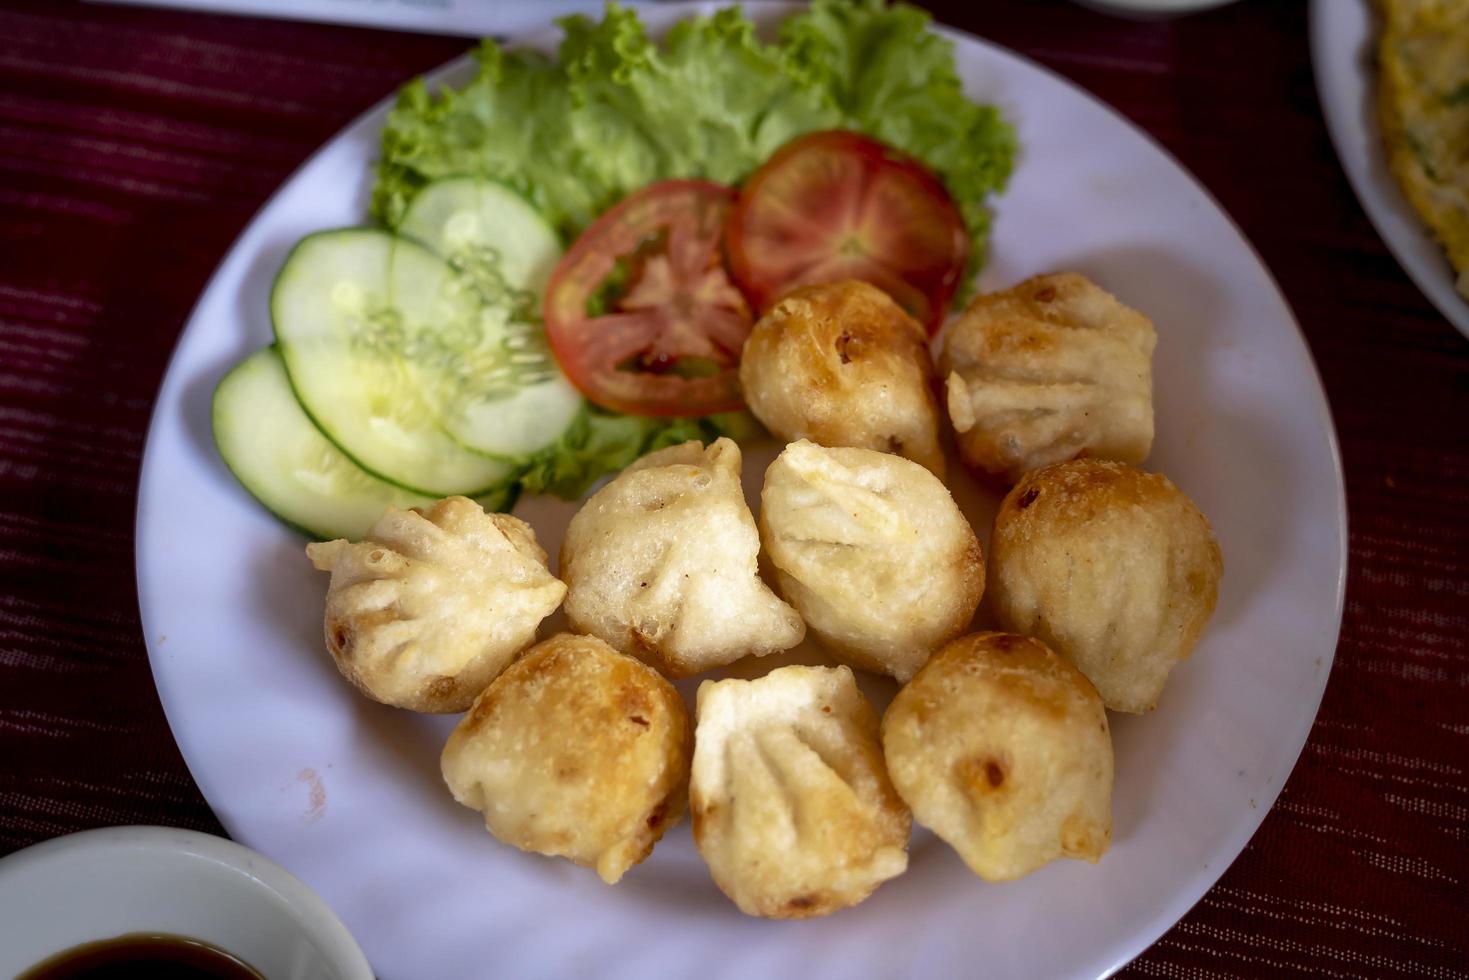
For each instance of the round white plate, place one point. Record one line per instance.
(1344, 57)
(347, 793)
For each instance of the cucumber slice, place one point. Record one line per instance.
(372, 373)
(494, 238)
(488, 231)
(275, 452)
(410, 368)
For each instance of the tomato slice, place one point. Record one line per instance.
(640, 311)
(840, 205)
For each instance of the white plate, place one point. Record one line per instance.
(347, 794)
(1344, 56)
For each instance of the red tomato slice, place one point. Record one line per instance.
(665, 334)
(840, 205)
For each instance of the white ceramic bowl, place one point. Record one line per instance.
(103, 883)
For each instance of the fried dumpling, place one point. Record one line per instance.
(1115, 569)
(575, 751)
(872, 551)
(1001, 748)
(792, 807)
(841, 364)
(1049, 370)
(661, 564)
(429, 607)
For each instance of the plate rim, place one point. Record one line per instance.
(1199, 882)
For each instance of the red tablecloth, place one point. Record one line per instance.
(135, 145)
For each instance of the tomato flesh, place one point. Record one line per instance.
(837, 205)
(669, 341)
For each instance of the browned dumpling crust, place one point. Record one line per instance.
(1049, 370)
(575, 751)
(841, 364)
(793, 809)
(661, 563)
(1114, 568)
(429, 607)
(872, 551)
(1001, 748)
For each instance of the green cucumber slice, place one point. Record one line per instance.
(495, 239)
(285, 462)
(488, 231)
(372, 368)
(410, 368)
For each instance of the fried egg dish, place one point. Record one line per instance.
(1423, 106)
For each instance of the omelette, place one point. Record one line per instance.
(1423, 103)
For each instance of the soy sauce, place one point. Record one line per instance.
(143, 956)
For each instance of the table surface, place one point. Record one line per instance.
(136, 144)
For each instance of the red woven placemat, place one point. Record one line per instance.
(135, 145)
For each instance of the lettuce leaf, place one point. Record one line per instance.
(481, 130)
(711, 101)
(601, 442)
(616, 111)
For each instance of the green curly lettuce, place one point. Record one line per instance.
(711, 101)
(484, 130)
(601, 442)
(615, 111)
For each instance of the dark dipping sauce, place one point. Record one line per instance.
(143, 956)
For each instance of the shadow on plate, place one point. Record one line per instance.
(288, 593)
(252, 310)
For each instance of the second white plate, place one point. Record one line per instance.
(1343, 55)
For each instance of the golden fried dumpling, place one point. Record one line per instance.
(429, 607)
(841, 364)
(1001, 748)
(793, 809)
(1115, 569)
(1049, 370)
(872, 551)
(575, 751)
(661, 563)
